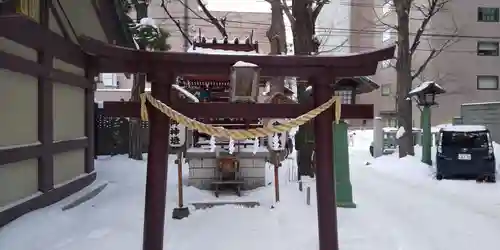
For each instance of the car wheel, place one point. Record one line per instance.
(371, 150)
(439, 177)
(491, 179)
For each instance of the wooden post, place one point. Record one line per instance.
(179, 179)
(325, 176)
(156, 178)
(276, 176)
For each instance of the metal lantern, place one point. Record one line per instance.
(425, 93)
(177, 135)
(429, 98)
(282, 138)
(244, 82)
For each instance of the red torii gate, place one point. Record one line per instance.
(162, 68)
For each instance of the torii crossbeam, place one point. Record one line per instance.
(163, 68)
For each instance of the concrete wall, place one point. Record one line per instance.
(487, 114)
(19, 116)
(203, 171)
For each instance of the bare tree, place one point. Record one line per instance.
(146, 37)
(302, 15)
(408, 45)
(218, 23)
(276, 34)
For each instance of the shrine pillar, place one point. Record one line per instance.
(325, 175)
(156, 177)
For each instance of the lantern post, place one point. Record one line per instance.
(276, 143)
(177, 140)
(425, 96)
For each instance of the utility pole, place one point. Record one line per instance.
(186, 24)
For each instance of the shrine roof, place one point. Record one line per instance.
(224, 47)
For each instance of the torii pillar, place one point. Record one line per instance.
(156, 184)
(325, 174)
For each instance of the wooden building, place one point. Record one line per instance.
(47, 98)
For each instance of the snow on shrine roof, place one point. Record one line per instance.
(244, 64)
(464, 128)
(220, 51)
(423, 86)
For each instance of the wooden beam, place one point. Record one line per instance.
(30, 34)
(370, 58)
(45, 106)
(108, 65)
(35, 150)
(90, 119)
(19, 153)
(238, 110)
(69, 145)
(32, 68)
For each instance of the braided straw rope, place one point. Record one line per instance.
(235, 134)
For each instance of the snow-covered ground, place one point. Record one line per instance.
(400, 207)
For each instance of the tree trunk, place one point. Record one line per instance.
(404, 80)
(139, 85)
(303, 45)
(277, 39)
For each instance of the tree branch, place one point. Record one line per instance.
(428, 12)
(212, 19)
(176, 22)
(319, 6)
(379, 20)
(288, 12)
(334, 48)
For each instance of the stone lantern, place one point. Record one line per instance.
(244, 82)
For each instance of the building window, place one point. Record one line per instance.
(487, 82)
(386, 36)
(391, 122)
(487, 14)
(346, 96)
(487, 48)
(385, 90)
(108, 80)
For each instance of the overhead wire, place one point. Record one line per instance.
(339, 32)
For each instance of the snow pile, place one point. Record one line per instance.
(400, 206)
(403, 167)
(401, 132)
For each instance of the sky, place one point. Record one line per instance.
(246, 6)
(239, 5)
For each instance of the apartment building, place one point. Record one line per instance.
(468, 69)
(114, 87)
